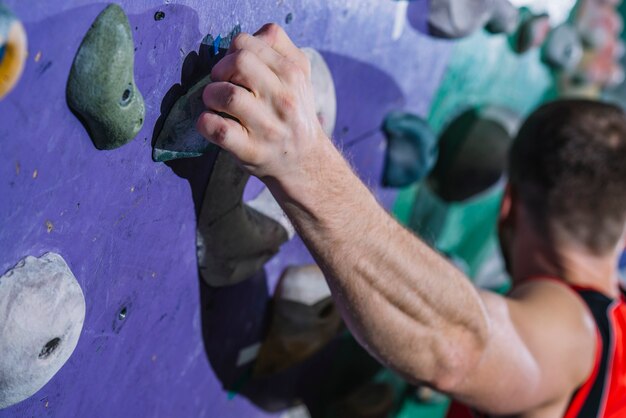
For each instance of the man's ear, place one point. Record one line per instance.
(507, 207)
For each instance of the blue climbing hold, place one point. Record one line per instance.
(216, 44)
(411, 149)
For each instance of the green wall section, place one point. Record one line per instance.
(483, 70)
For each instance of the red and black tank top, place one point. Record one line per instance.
(603, 395)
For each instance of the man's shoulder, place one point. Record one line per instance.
(556, 319)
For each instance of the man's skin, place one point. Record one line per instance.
(522, 355)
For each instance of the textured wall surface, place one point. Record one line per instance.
(126, 225)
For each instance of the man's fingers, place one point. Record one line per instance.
(276, 37)
(236, 101)
(245, 69)
(262, 50)
(224, 132)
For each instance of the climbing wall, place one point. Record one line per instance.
(156, 341)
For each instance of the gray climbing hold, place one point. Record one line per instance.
(473, 151)
(411, 149)
(234, 241)
(304, 320)
(42, 310)
(452, 19)
(101, 87)
(563, 49)
(179, 137)
(323, 89)
(504, 17)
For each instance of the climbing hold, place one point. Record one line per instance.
(411, 149)
(599, 69)
(42, 310)
(532, 32)
(504, 17)
(323, 89)
(13, 50)
(221, 42)
(304, 320)
(473, 152)
(159, 15)
(101, 87)
(598, 24)
(234, 241)
(616, 77)
(452, 19)
(179, 137)
(563, 49)
(266, 204)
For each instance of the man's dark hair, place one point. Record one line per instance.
(568, 167)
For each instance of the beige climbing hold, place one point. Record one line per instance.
(304, 320)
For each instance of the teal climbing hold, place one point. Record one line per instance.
(411, 149)
(178, 137)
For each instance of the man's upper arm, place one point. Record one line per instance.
(541, 348)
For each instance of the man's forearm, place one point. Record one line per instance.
(402, 301)
(405, 303)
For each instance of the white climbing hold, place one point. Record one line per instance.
(42, 310)
(563, 49)
(454, 19)
(505, 17)
(304, 284)
(266, 204)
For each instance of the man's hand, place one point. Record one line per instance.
(261, 107)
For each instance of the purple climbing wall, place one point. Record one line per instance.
(156, 342)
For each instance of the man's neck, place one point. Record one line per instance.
(575, 266)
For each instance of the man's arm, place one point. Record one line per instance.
(403, 302)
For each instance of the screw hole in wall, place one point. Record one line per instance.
(122, 314)
(126, 96)
(49, 348)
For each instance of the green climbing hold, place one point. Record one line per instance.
(473, 151)
(179, 137)
(101, 87)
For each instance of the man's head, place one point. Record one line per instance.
(567, 170)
